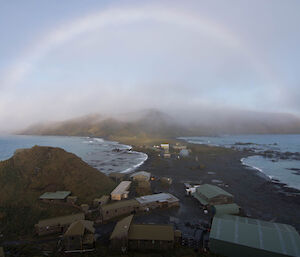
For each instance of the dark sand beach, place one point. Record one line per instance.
(259, 198)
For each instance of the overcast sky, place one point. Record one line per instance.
(61, 59)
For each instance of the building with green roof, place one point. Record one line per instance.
(79, 237)
(142, 236)
(221, 209)
(55, 196)
(119, 236)
(208, 194)
(236, 236)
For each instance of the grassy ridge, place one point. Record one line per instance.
(31, 172)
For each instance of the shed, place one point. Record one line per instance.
(55, 196)
(120, 191)
(119, 236)
(236, 236)
(208, 194)
(57, 224)
(231, 208)
(165, 147)
(80, 236)
(141, 176)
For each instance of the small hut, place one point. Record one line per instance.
(79, 237)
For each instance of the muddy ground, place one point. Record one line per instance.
(258, 197)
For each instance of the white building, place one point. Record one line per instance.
(121, 191)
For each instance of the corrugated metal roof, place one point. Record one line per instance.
(121, 188)
(268, 236)
(199, 198)
(122, 227)
(211, 191)
(62, 220)
(230, 208)
(157, 198)
(120, 204)
(151, 232)
(78, 228)
(58, 195)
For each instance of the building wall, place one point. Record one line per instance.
(112, 213)
(72, 243)
(53, 200)
(221, 199)
(118, 243)
(234, 250)
(116, 197)
(46, 230)
(150, 244)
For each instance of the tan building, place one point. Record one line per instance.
(165, 147)
(117, 209)
(121, 191)
(79, 237)
(127, 235)
(57, 225)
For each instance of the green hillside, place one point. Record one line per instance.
(31, 172)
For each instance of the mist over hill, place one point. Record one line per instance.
(154, 123)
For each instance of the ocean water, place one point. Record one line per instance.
(97, 152)
(277, 156)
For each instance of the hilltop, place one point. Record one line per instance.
(153, 124)
(31, 172)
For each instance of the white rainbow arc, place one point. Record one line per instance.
(113, 16)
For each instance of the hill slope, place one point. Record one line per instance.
(156, 124)
(31, 172)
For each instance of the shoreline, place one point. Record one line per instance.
(259, 197)
(252, 153)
